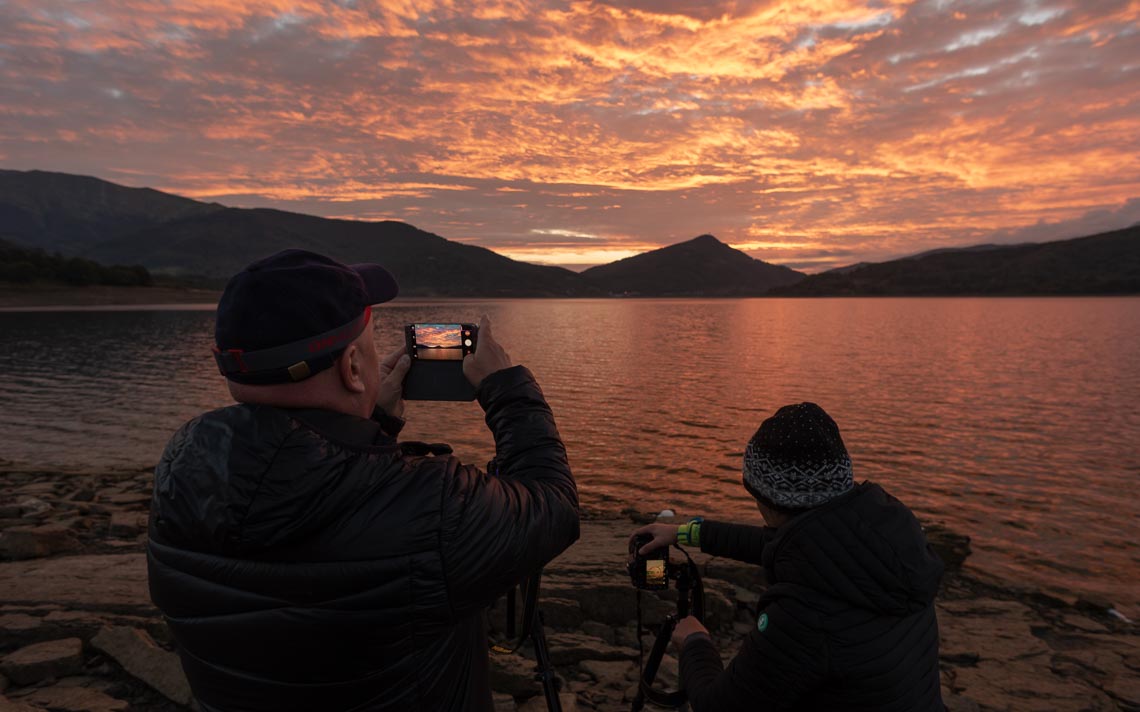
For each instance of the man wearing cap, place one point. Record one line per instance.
(847, 621)
(305, 560)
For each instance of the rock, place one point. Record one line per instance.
(571, 648)
(127, 523)
(746, 597)
(83, 494)
(1023, 686)
(85, 624)
(36, 488)
(36, 542)
(112, 581)
(52, 659)
(951, 547)
(599, 630)
(74, 699)
(32, 507)
(561, 612)
(720, 610)
(126, 499)
(7, 705)
(141, 657)
(610, 673)
(503, 703)
(1093, 603)
(626, 637)
(958, 703)
(538, 704)
(513, 675)
(611, 603)
(989, 630)
(1126, 690)
(18, 623)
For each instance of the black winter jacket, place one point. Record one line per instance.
(847, 622)
(304, 563)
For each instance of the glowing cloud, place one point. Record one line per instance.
(810, 134)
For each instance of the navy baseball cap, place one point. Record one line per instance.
(289, 315)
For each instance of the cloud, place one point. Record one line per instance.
(872, 128)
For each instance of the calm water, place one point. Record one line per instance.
(1014, 420)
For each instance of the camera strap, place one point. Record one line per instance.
(530, 606)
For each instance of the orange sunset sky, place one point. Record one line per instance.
(810, 134)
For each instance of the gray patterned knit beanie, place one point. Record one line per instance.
(797, 459)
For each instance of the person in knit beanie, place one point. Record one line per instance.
(847, 620)
(797, 460)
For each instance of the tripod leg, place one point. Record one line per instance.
(545, 669)
(654, 662)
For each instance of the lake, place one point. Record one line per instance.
(1016, 421)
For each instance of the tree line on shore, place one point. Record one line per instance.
(21, 265)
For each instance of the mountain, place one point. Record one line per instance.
(65, 213)
(703, 266)
(205, 243)
(218, 244)
(1108, 263)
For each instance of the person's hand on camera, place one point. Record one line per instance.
(393, 368)
(488, 358)
(685, 628)
(664, 535)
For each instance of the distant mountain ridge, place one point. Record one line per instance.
(80, 216)
(1108, 263)
(703, 266)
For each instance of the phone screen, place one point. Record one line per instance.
(440, 342)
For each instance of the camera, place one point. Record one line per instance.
(652, 572)
(648, 572)
(437, 352)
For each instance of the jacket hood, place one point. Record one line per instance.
(865, 548)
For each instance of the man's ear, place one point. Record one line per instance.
(351, 369)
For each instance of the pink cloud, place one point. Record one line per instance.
(856, 130)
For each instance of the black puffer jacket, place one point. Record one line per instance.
(304, 563)
(848, 619)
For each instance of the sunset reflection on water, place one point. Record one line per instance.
(1011, 420)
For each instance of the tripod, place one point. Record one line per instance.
(690, 601)
(534, 629)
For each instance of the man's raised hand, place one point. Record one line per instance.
(488, 358)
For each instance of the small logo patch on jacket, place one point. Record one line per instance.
(762, 623)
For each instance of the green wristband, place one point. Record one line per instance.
(689, 534)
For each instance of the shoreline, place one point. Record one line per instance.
(30, 297)
(52, 297)
(73, 582)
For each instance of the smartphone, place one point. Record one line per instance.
(437, 352)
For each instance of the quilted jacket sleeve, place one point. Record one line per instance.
(499, 527)
(741, 542)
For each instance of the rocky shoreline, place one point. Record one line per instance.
(78, 631)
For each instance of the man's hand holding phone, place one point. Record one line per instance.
(393, 368)
(488, 358)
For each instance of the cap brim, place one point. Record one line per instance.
(379, 283)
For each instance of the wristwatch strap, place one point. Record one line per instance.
(689, 534)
